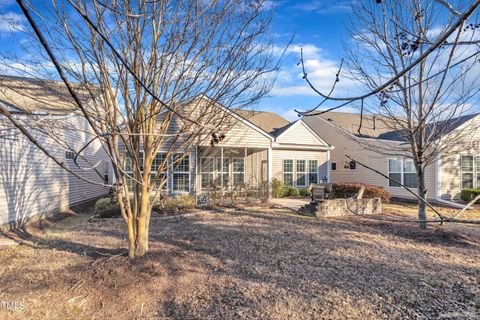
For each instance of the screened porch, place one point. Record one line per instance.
(229, 169)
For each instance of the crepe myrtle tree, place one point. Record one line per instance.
(144, 65)
(417, 61)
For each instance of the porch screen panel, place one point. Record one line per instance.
(207, 169)
(288, 172)
(223, 170)
(467, 171)
(181, 174)
(301, 173)
(312, 171)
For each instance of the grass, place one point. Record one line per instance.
(255, 263)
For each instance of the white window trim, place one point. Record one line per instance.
(306, 172)
(402, 171)
(317, 171)
(181, 172)
(473, 172)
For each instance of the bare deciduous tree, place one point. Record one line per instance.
(145, 64)
(417, 61)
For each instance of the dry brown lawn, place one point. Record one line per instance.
(249, 264)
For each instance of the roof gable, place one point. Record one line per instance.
(299, 133)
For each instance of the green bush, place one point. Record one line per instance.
(277, 188)
(305, 192)
(289, 191)
(467, 195)
(102, 204)
(347, 190)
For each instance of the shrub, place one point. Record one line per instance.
(277, 188)
(305, 192)
(180, 202)
(467, 195)
(347, 190)
(289, 191)
(102, 204)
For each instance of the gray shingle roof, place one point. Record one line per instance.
(381, 127)
(31, 95)
(267, 121)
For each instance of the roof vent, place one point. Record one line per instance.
(329, 119)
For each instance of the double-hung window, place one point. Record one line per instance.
(467, 171)
(181, 173)
(402, 171)
(301, 175)
(159, 162)
(409, 174)
(394, 172)
(238, 170)
(312, 171)
(288, 172)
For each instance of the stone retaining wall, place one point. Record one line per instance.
(338, 207)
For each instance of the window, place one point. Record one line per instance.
(157, 164)
(238, 165)
(288, 172)
(403, 171)
(394, 172)
(409, 174)
(105, 172)
(301, 176)
(207, 169)
(467, 171)
(312, 171)
(334, 166)
(181, 173)
(69, 155)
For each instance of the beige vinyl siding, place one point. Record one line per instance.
(450, 163)
(344, 144)
(299, 134)
(278, 155)
(32, 184)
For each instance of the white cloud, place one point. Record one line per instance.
(11, 22)
(321, 72)
(325, 7)
(290, 115)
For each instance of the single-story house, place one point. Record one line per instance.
(455, 169)
(258, 147)
(31, 184)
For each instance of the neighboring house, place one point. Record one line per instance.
(258, 147)
(31, 184)
(455, 170)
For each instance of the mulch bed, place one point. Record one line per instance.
(254, 264)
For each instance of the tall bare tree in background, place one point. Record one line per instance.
(144, 63)
(418, 62)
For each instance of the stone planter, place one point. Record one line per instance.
(338, 207)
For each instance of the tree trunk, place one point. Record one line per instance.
(422, 213)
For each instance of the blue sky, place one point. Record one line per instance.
(318, 27)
